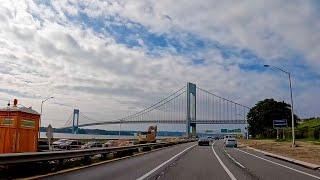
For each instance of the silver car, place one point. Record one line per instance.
(231, 142)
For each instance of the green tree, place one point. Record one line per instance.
(261, 116)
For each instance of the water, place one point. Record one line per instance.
(84, 136)
(89, 136)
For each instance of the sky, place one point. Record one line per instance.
(113, 58)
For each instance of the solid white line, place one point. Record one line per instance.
(234, 160)
(222, 164)
(164, 163)
(311, 175)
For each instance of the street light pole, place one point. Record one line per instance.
(292, 115)
(41, 111)
(120, 129)
(291, 99)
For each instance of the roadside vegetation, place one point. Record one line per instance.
(309, 130)
(261, 116)
(264, 136)
(305, 151)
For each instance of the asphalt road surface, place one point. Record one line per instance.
(189, 161)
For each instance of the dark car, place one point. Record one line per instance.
(204, 141)
(70, 144)
(216, 138)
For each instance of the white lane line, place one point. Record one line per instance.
(234, 160)
(222, 164)
(164, 163)
(311, 175)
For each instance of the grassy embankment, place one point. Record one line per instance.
(309, 130)
(305, 151)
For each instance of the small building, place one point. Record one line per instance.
(19, 129)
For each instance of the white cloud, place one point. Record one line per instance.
(272, 29)
(43, 54)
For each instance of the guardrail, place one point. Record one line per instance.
(16, 158)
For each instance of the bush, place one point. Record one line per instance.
(302, 133)
(316, 133)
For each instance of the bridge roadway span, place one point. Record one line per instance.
(240, 121)
(198, 162)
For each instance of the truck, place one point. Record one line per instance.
(147, 137)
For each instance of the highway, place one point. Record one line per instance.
(189, 161)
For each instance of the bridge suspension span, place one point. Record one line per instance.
(190, 105)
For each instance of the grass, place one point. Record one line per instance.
(310, 123)
(305, 150)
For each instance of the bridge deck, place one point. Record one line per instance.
(167, 122)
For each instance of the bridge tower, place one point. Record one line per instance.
(75, 121)
(191, 110)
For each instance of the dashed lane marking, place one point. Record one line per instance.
(223, 165)
(234, 160)
(164, 163)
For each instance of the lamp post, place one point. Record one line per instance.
(292, 116)
(41, 111)
(120, 129)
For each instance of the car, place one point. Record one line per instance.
(91, 144)
(216, 138)
(204, 141)
(227, 137)
(56, 144)
(231, 142)
(70, 144)
(210, 138)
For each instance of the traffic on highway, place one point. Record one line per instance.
(195, 160)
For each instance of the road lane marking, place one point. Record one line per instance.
(164, 163)
(311, 175)
(234, 160)
(222, 164)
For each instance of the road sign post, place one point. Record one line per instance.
(49, 135)
(280, 124)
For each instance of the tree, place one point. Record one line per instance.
(261, 116)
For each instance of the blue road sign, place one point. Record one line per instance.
(280, 123)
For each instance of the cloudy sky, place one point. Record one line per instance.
(112, 58)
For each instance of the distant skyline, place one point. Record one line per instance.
(112, 58)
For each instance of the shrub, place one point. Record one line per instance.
(316, 133)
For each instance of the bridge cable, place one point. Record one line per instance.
(137, 113)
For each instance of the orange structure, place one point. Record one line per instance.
(19, 128)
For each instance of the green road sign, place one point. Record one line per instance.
(224, 130)
(231, 130)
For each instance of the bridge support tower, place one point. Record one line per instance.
(75, 121)
(191, 110)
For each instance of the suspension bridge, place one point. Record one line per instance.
(190, 105)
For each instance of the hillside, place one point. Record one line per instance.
(311, 123)
(309, 129)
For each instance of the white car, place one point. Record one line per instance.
(91, 144)
(58, 142)
(210, 138)
(231, 142)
